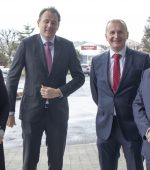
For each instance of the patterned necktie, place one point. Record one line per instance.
(116, 72)
(48, 55)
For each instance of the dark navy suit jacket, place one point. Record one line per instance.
(4, 111)
(135, 63)
(4, 104)
(141, 109)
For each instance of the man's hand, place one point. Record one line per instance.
(49, 93)
(11, 121)
(148, 135)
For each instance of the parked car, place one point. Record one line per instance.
(4, 72)
(19, 93)
(20, 89)
(86, 69)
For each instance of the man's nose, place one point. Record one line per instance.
(49, 24)
(116, 35)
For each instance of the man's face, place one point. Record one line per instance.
(48, 24)
(116, 35)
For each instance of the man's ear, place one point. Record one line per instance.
(127, 36)
(106, 36)
(38, 22)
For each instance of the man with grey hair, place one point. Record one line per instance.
(115, 77)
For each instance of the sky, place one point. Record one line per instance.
(81, 20)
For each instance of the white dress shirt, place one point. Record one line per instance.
(50, 47)
(111, 64)
(122, 61)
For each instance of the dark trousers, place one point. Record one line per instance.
(2, 159)
(109, 151)
(55, 141)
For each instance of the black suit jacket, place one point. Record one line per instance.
(4, 104)
(135, 63)
(30, 56)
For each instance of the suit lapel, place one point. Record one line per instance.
(41, 53)
(106, 61)
(56, 57)
(128, 64)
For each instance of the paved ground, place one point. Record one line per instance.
(77, 157)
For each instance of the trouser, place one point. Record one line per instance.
(109, 150)
(55, 141)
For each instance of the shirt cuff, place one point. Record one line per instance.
(1, 133)
(60, 93)
(11, 113)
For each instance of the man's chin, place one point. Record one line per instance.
(48, 36)
(117, 48)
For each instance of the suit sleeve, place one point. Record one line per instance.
(139, 111)
(93, 84)
(76, 72)
(14, 76)
(4, 104)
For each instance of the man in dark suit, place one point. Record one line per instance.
(44, 104)
(4, 111)
(141, 111)
(115, 125)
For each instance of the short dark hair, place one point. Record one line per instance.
(51, 9)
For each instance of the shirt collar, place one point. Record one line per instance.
(122, 52)
(44, 40)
